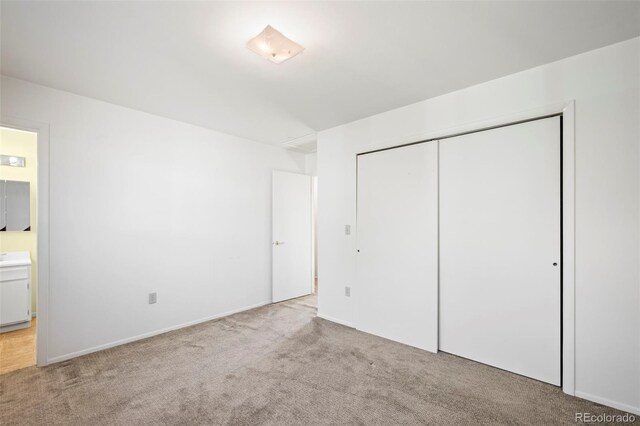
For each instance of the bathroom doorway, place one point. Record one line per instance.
(18, 248)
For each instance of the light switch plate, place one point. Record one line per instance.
(347, 230)
(153, 298)
(347, 291)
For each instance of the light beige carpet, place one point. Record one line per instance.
(277, 365)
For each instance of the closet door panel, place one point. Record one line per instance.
(396, 295)
(500, 272)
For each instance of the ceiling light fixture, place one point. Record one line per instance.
(11, 160)
(274, 46)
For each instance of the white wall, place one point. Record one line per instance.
(605, 86)
(140, 203)
(311, 161)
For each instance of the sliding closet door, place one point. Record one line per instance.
(396, 295)
(500, 248)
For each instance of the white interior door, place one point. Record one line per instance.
(292, 228)
(500, 276)
(397, 227)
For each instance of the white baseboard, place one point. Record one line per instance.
(33, 314)
(609, 403)
(337, 321)
(151, 334)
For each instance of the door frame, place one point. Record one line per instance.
(566, 110)
(43, 249)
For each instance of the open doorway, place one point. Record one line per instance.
(18, 248)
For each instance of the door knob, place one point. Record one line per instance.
(278, 243)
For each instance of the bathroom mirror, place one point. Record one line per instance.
(14, 206)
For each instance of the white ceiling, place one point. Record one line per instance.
(188, 61)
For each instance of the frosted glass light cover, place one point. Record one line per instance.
(274, 46)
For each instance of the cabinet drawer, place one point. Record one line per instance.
(14, 273)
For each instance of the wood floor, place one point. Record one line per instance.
(18, 349)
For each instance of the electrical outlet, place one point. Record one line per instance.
(347, 230)
(153, 298)
(347, 291)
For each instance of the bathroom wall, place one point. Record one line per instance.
(22, 144)
(140, 203)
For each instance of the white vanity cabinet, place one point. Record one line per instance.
(15, 291)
